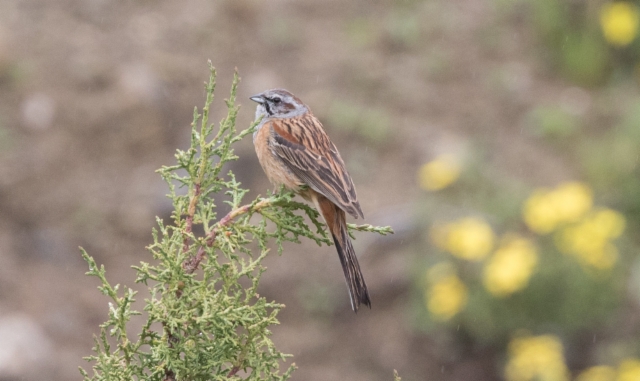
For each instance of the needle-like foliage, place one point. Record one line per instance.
(204, 319)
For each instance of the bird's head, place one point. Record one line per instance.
(278, 103)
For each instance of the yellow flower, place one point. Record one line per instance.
(469, 238)
(619, 22)
(546, 209)
(539, 213)
(629, 370)
(510, 267)
(572, 200)
(536, 358)
(439, 173)
(447, 295)
(590, 239)
(609, 223)
(597, 373)
(602, 258)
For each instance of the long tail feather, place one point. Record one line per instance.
(358, 292)
(337, 222)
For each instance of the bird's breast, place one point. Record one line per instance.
(275, 169)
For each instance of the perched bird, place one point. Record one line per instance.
(294, 151)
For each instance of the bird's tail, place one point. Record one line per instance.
(337, 223)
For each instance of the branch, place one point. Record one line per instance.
(190, 265)
(382, 230)
(189, 221)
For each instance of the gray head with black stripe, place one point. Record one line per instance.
(278, 103)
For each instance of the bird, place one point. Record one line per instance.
(295, 151)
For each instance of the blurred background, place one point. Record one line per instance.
(500, 139)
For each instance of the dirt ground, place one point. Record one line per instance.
(97, 94)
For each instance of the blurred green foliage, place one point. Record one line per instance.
(588, 41)
(403, 28)
(610, 161)
(532, 272)
(370, 124)
(562, 269)
(553, 122)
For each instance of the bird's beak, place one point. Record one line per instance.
(257, 98)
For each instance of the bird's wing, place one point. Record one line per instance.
(306, 150)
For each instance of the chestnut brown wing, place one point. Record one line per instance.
(306, 150)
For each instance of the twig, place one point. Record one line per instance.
(383, 230)
(233, 371)
(190, 213)
(169, 375)
(243, 354)
(191, 264)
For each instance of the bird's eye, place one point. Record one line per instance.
(276, 100)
